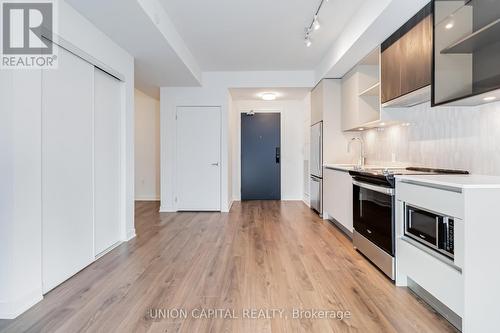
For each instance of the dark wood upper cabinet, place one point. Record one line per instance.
(406, 61)
(390, 72)
(417, 54)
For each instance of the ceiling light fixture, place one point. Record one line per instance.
(361, 129)
(268, 96)
(449, 25)
(308, 41)
(314, 26)
(489, 98)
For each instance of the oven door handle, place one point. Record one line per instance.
(380, 189)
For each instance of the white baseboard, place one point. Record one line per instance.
(167, 210)
(152, 198)
(130, 234)
(231, 204)
(109, 249)
(12, 309)
(306, 199)
(228, 207)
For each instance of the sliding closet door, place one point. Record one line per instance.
(67, 197)
(107, 101)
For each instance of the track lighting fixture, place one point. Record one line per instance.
(308, 41)
(314, 26)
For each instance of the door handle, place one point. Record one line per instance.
(278, 155)
(215, 164)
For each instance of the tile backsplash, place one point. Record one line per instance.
(465, 138)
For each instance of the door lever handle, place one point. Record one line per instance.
(278, 155)
(215, 164)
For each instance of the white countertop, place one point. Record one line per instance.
(349, 167)
(456, 181)
(339, 167)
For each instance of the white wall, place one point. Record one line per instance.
(20, 194)
(442, 137)
(214, 92)
(147, 147)
(231, 150)
(292, 113)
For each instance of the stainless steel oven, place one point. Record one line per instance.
(373, 217)
(434, 230)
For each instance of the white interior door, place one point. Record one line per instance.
(107, 123)
(198, 158)
(67, 202)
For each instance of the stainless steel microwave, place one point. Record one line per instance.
(431, 229)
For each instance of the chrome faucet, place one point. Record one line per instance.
(361, 160)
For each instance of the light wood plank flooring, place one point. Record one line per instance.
(262, 255)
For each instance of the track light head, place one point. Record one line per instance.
(316, 25)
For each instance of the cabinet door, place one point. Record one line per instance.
(416, 48)
(67, 193)
(350, 101)
(391, 62)
(317, 104)
(337, 192)
(107, 122)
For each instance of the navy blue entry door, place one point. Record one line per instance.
(260, 156)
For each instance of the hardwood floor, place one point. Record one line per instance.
(262, 255)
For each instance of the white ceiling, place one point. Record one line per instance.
(175, 41)
(254, 94)
(125, 22)
(232, 35)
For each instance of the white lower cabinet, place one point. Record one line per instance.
(464, 288)
(337, 197)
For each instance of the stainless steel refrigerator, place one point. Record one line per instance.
(316, 168)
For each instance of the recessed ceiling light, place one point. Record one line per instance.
(268, 96)
(489, 98)
(449, 25)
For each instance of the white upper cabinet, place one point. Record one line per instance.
(361, 94)
(317, 106)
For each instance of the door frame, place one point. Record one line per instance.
(238, 144)
(176, 148)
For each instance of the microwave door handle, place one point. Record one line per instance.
(446, 228)
(438, 222)
(408, 222)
